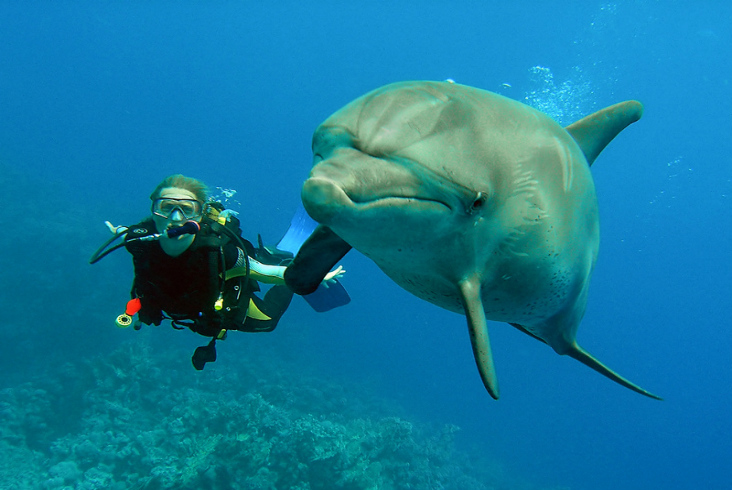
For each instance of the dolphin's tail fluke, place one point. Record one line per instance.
(577, 352)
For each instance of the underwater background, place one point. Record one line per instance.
(99, 101)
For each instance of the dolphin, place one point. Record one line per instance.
(472, 201)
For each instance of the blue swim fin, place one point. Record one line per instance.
(301, 227)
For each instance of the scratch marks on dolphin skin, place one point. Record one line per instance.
(508, 245)
(525, 188)
(523, 181)
(527, 211)
(565, 163)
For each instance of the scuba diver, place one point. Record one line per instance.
(193, 268)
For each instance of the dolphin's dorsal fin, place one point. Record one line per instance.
(478, 327)
(593, 133)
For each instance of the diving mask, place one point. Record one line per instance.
(189, 208)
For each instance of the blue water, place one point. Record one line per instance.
(99, 101)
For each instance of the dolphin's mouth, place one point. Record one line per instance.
(401, 201)
(325, 200)
(353, 181)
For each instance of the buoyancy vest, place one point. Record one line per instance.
(190, 288)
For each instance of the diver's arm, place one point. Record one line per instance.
(268, 274)
(274, 274)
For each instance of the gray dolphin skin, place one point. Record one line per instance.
(469, 200)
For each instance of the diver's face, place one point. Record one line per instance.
(176, 218)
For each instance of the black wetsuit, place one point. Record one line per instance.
(186, 287)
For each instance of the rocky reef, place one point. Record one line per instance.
(132, 420)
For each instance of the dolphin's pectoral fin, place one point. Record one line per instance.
(478, 327)
(593, 133)
(314, 260)
(577, 352)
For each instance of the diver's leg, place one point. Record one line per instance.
(274, 305)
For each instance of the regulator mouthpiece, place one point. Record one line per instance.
(187, 228)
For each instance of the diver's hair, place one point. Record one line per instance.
(195, 186)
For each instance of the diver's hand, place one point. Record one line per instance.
(114, 229)
(330, 278)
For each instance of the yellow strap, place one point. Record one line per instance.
(256, 313)
(252, 311)
(235, 272)
(242, 271)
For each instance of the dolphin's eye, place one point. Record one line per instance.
(477, 203)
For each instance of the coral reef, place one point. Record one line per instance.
(133, 421)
